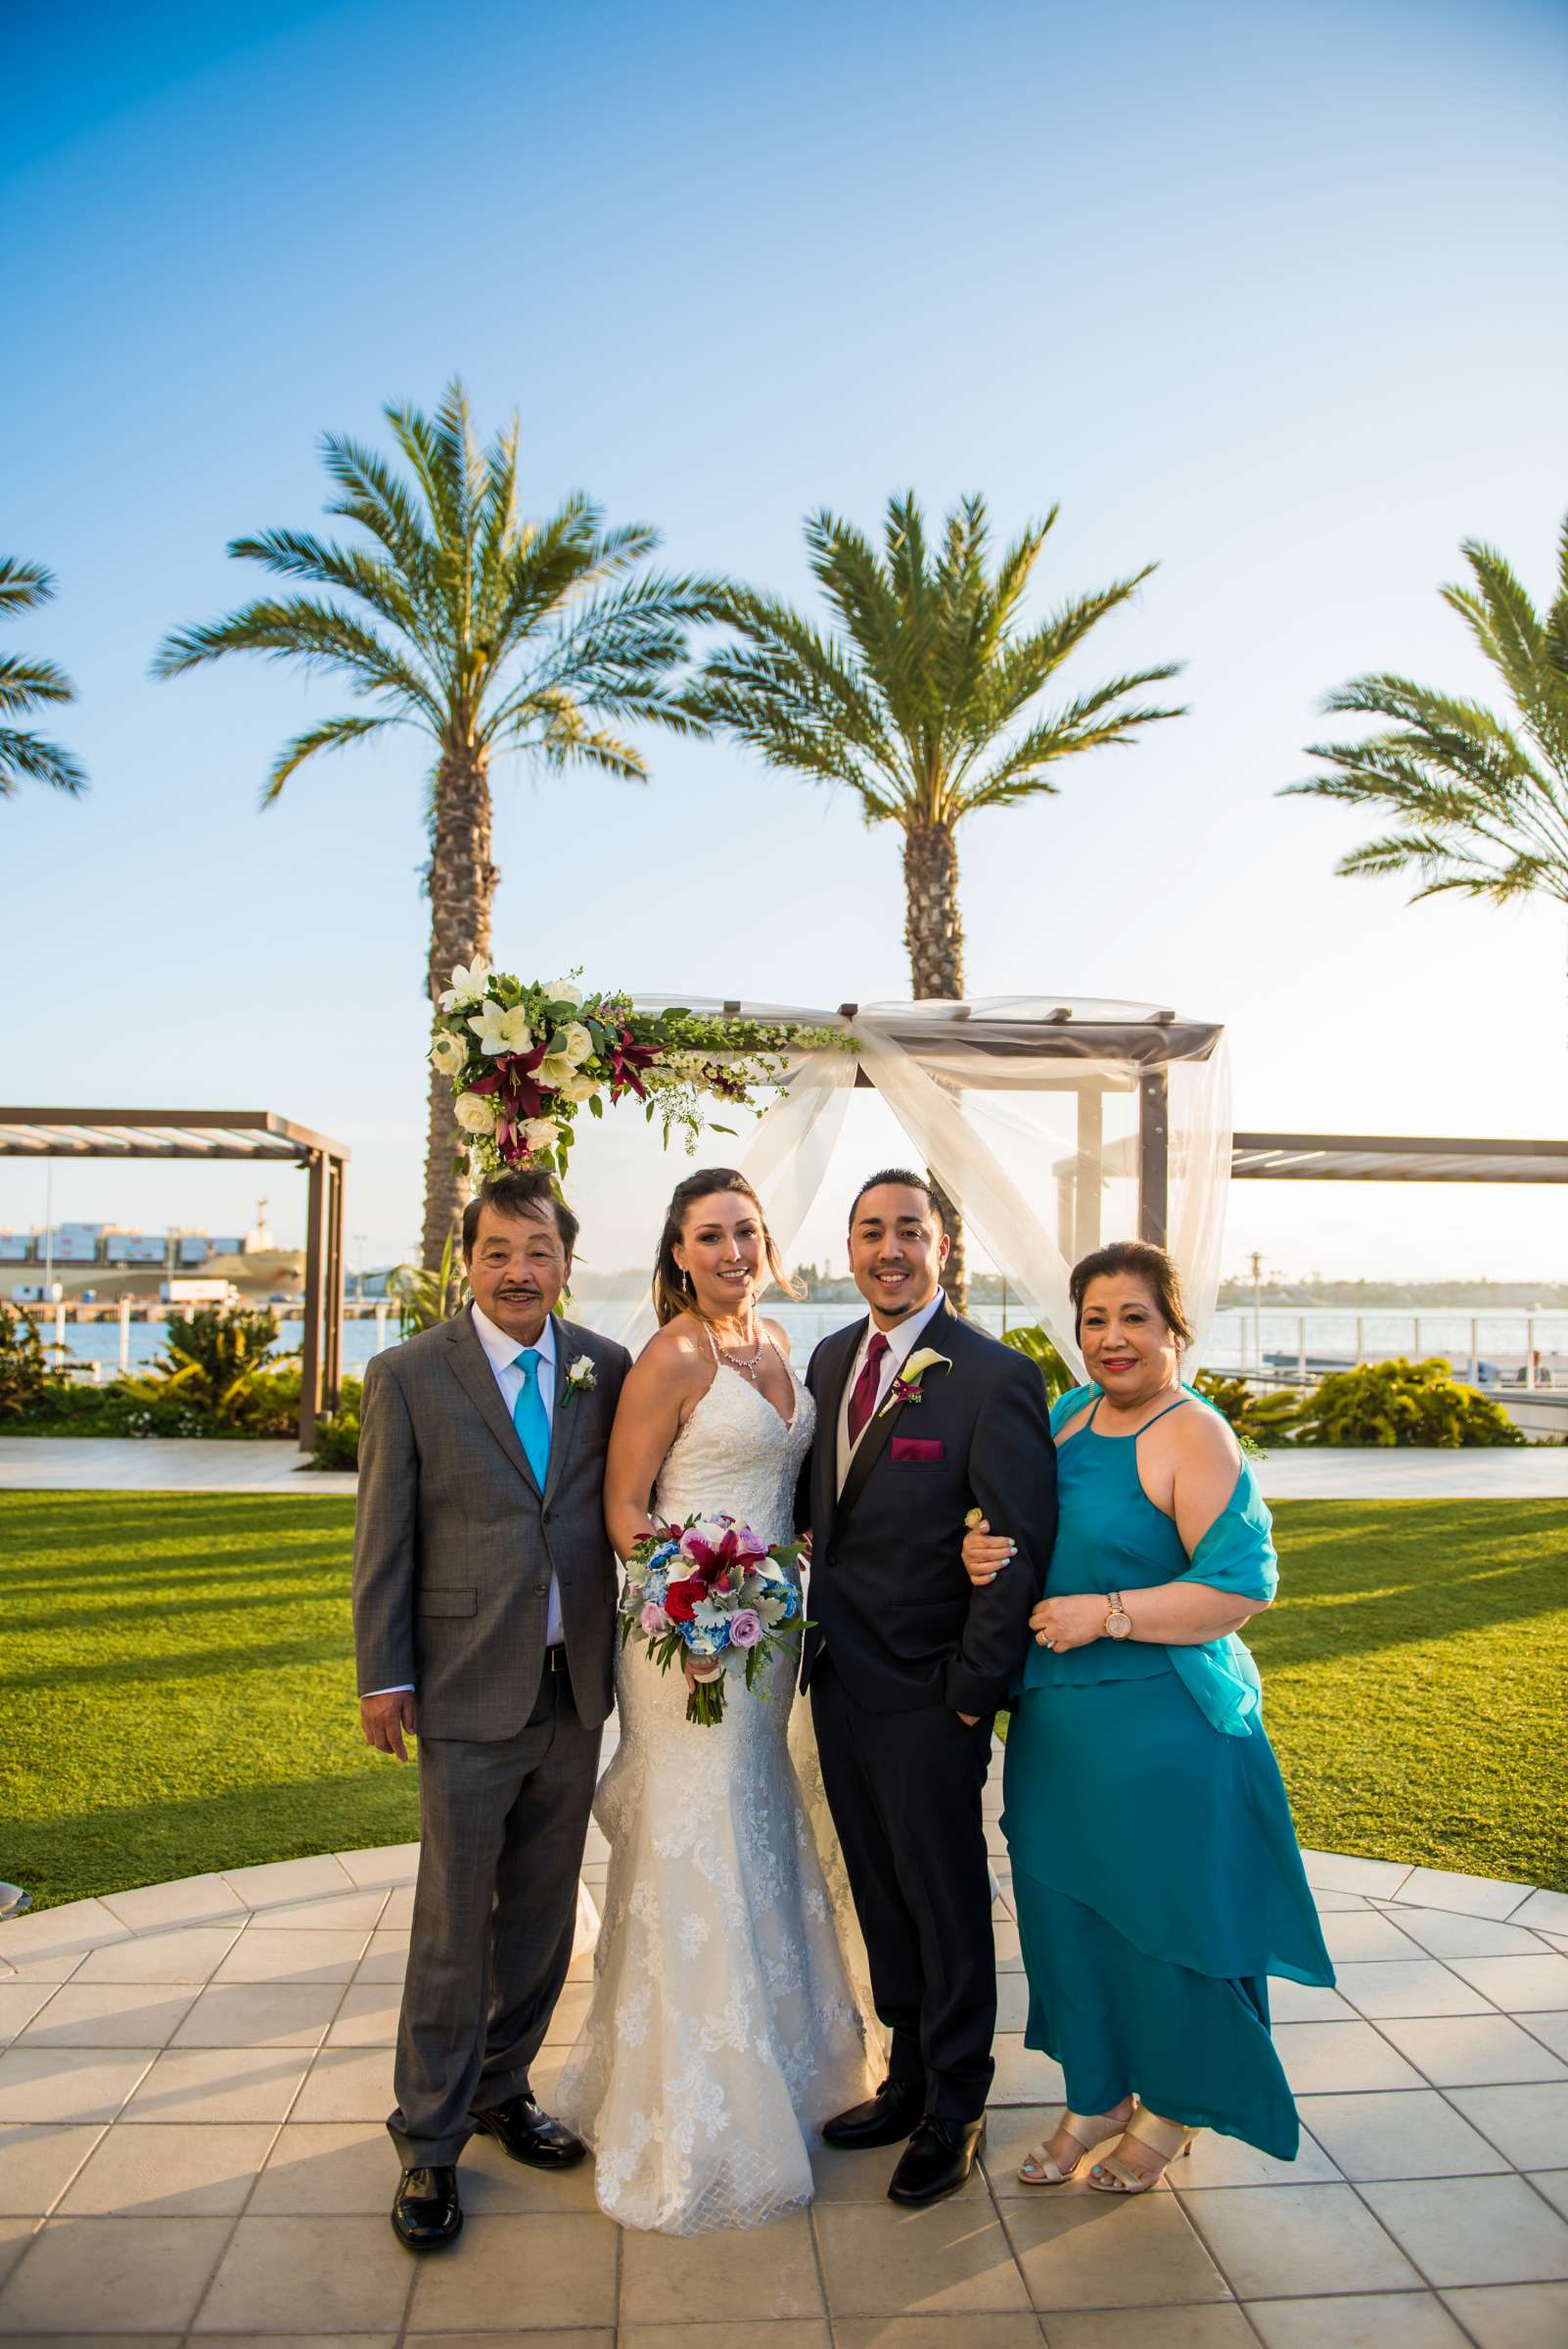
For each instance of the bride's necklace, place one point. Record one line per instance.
(745, 1364)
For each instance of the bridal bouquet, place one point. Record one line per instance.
(711, 1589)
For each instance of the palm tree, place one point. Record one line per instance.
(24, 684)
(1480, 802)
(485, 631)
(919, 700)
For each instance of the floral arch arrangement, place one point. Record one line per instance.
(525, 1059)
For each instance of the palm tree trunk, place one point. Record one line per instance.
(934, 934)
(462, 889)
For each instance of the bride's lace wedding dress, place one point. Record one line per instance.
(724, 2027)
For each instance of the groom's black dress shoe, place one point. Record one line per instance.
(527, 2134)
(937, 2160)
(426, 2212)
(892, 2113)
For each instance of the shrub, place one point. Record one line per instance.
(29, 1381)
(424, 1299)
(337, 1444)
(1256, 1420)
(1400, 1403)
(1033, 1341)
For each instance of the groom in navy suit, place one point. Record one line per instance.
(920, 1418)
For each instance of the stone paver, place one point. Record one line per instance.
(192, 2101)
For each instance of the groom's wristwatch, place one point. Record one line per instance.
(1117, 1622)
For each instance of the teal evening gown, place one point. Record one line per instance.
(1156, 1875)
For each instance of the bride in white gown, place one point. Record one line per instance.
(731, 2015)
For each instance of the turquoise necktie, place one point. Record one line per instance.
(530, 1418)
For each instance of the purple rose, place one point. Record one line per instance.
(745, 1627)
(655, 1621)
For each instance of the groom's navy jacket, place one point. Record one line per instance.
(888, 1596)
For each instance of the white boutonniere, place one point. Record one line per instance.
(907, 1383)
(581, 1373)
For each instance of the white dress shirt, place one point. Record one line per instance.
(501, 1353)
(902, 1340)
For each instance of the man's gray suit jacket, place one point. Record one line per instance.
(454, 1542)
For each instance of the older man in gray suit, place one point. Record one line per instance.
(485, 1594)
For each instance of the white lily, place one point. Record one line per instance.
(501, 1031)
(468, 982)
(554, 1071)
(924, 1359)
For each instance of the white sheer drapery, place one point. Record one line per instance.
(1036, 1114)
(786, 1158)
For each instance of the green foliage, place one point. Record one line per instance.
(425, 1299)
(460, 616)
(1257, 1418)
(1032, 1341)
(1480, 802)
(28, 1380)
(1401, 1402)
(25, 684)
(918, 700)
(212, 1364)
(337, 1438)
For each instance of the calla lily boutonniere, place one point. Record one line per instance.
(907, 1383)
(581, 1373)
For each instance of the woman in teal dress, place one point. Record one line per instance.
(1156, 1875)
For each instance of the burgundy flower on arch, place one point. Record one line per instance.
(627, 1060)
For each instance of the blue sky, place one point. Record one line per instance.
(1276, 298)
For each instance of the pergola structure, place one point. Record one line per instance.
(254, 1137)
(1392, 1158)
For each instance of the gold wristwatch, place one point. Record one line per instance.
(1117, 1622)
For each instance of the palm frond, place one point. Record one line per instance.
(29, 757)
(24, 585)
(330, 734)
(25, 681)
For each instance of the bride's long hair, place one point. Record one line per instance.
(672, 1289)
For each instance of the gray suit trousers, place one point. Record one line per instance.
(501, 1830)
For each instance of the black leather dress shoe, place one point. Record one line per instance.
(890, 2114)
(426, 2211)
(527, 2134)
(937, 2160)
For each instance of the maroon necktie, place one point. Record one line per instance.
(863, 1401)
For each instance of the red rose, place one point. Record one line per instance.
(681, 1600)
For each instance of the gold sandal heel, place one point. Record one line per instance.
(1170, 2139)
(1087, 2130)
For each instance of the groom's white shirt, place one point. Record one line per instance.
(901, 1343)
(501, 1353)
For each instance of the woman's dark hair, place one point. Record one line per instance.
(1145, 1262)
(673, 1291)
(520, 1191)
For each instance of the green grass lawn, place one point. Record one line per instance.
(178, 1686)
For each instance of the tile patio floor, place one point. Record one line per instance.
(193, 2079)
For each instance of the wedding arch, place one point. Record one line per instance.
(1054, 1123)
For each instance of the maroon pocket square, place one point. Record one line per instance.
(916, 1447)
